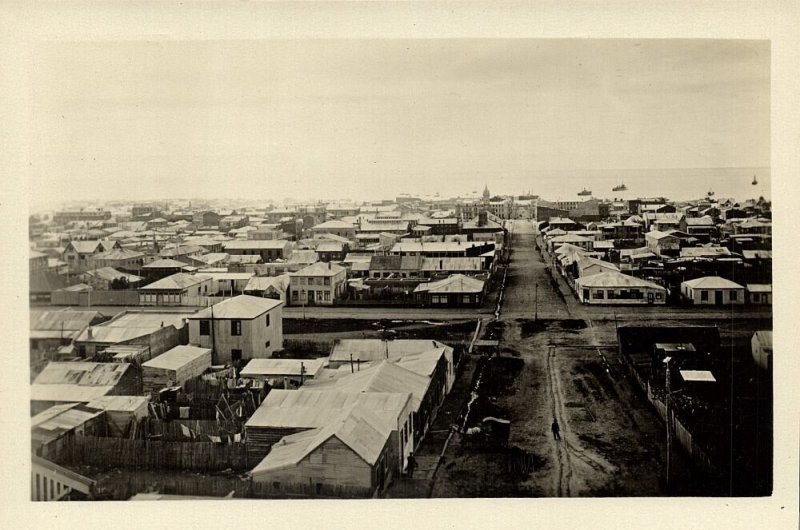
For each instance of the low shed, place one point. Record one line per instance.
(121, 411)
(175, 367)
(282, 370)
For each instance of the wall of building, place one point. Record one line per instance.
(331, 463)
(696, 296)
(620, 301)
(300, 285)
(253, 340)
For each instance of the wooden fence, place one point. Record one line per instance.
(92, 298)
(696, 452)
(220, 486)
(145, 454)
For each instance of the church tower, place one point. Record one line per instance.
(486, 193)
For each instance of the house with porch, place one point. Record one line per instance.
(611, 287)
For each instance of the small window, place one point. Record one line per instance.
(318, 488)
(266, 344)
(236, 355)
(599, 295)
(704, 296)
(267, 319)
(205, 327)
(734, 295)
(236, 327)
(327, 296)
(294, 295)
(276, 486)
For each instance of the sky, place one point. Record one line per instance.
(368, 119)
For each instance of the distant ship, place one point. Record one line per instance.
(755, 180)
(710, 193)
(620, 187)
(584, 193)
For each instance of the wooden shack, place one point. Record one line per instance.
(175, 367)
(351, 456)
(121, 411)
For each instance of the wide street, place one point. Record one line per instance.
(611, 442)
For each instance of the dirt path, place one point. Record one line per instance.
(564, 474)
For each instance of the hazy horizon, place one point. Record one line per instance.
(371, 119)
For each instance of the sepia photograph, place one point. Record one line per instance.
(279, 269)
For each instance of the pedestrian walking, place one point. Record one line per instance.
(411, 465)
(556, 430)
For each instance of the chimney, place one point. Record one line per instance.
(90, 333)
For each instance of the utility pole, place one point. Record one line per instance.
(213, 335)
(536, 304)
(669, 423)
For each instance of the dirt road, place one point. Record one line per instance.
(611, 443)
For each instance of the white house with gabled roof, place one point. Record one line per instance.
(239, 328)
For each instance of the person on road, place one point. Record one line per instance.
(556, 430)
(411, 465)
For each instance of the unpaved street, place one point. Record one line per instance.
(561, 366)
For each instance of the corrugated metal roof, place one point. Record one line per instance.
(305, 408)
(130, 325)
(165, 264)
(59, 419)
(81, 373)
(262, 283)
(422, 363)
(178, 281)
(615, 279)
(119, 403)
(67, 320)
(457, 283)
(68, 393)
(585, 262)
(378, 350)
(240, 307)
(363, 431)
(320, 269)
(256, 244)
(281, 367)
(335, 224)
(117, 254)
(382, 377)
(111, 274)
(657, 234)
(712, 282)
(178, 357)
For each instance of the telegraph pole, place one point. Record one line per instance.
(669, 423)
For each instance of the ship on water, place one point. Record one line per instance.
(755, 181)
(620, 187)
(584, 193)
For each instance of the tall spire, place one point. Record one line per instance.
(486, 192)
